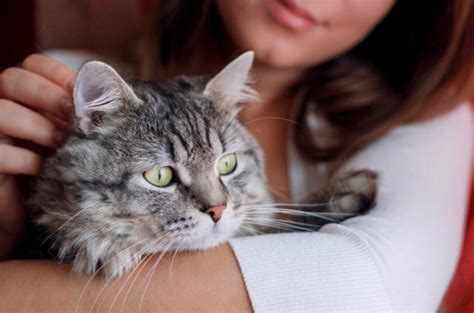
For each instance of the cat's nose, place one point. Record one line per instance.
(216, 212)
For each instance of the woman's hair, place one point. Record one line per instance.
(417, 63)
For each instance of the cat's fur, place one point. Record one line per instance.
(94, 203)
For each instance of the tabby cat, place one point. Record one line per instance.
(160, 166)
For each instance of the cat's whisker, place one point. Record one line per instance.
(282, 224)
(69, 220)
(283, 227)
(152, 271)
(89, 281)
(114, 281)
(233, 118)
(276, 118)
(259, 222)
(272, 118)
(286, 228)
(298, 205)
(237, 128)
(288, 222)
(286, 208)
(299, 212)
(240, 232)
(254, 203)
(275, 191)
(329, 216)
(263, 119)
(250, 230)
(243, 230)
(141, 266)
(302, 213)
(332, 218)
(174, 255)
(138, 267)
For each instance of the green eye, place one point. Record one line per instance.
(227, 164)
(159, 176)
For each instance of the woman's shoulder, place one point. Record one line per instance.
(453, 128)
(459, 118)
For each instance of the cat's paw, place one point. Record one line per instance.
(353, 192)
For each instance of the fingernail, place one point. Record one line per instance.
(66, 105)
(59, 137)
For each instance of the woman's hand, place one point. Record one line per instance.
(35, 102)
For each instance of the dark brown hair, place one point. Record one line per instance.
(417, 63)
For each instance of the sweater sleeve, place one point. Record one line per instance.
(399, 256)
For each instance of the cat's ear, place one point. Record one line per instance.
(99, 88)
(231, 86)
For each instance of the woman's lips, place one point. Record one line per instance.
(291, 15)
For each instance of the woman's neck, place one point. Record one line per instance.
(275, 86)
(269, 121)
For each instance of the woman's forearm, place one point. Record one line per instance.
(203, 282)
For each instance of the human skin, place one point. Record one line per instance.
(186, 282)
(340, 25)
(38, 95)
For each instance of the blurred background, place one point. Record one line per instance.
(109, 27)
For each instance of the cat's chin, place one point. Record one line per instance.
(117, 267)
(197, 244)
(207, 243)
(120, 260)
(209, 237)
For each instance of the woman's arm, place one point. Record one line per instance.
(200, 282)
(207, 281)
(400, 256)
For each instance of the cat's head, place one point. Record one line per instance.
(151, 166)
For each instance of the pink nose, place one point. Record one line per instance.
(216, 212)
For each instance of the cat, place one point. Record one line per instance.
(158, 166)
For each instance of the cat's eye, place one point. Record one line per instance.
(227, 164)
(159, 176)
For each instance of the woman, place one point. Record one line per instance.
(377, 83)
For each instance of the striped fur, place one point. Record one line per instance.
(92, 198)
(96, 207)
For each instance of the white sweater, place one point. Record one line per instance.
(398, 257)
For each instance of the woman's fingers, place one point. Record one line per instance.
(56, 72)
(34, 102)
(35, 91)
(59, 123)
(15, 160)
(22, 123)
